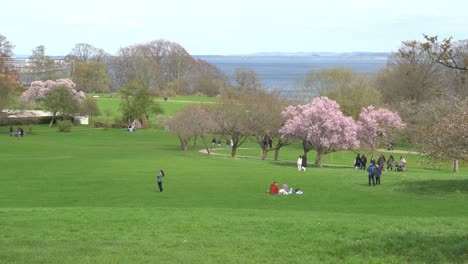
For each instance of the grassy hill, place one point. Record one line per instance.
(90, 196)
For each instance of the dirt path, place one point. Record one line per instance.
(399, 151)
(259, 158)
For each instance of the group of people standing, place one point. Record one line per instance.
(217, 143)
(302, 163)
(375, 169)
(361, 161)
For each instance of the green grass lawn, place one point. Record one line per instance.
(110, 103)
(90, 196)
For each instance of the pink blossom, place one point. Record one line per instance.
(38, 89)
(374, 123)
(321, 125)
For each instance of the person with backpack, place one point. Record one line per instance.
(371, 174)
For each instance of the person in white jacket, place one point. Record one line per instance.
(299, 163)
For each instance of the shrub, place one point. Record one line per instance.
(64, 125)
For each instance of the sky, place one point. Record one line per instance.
(217, 27)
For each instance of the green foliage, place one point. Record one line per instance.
(137, 102)
(41, 63)
(64, 125)
(60, 99)
(350, 91)
(7, 90)
(91, 76)
(90, 107)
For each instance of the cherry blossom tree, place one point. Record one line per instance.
(38, 90)
(320, 125)
(447, 139)
(376, 125)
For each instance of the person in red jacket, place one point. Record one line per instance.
(273, 188)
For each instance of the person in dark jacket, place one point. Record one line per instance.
(378, 173)
(363, 162)
(390, 163)
(357, 162)
(304, 163)
(371, 174)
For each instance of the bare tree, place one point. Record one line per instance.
(86, 52)
(6, 54)
(410, 76)
(446, 52)
(265, 112)
(448, 138)
(191, 122)
(246, 80)
(234, 119)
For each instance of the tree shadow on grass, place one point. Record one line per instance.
(413, 247)
(292, 164)
(435, 187)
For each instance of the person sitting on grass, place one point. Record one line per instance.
(273, 188)
(401, 165)
(285, 190)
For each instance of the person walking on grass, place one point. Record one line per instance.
(363, 162)
(304, 162)
(357, 162)
(159, 179)
(299, 163)
(371, 174)
(378, 173)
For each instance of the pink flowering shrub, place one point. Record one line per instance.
(38, 89)
(320, 125)
(374, 125)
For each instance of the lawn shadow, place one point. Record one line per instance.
(292, 164)
(416, 248)
(435, 187)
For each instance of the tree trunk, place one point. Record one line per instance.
(455, 165)
(318, 159)
(52, 120)
(234, 151)
(207, 148)
(277, 154)
(183, 144)
(264, 153)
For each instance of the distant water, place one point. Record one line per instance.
(284, 72)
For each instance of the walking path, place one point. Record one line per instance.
(399, 151)
(293, 161)
(259, 158)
